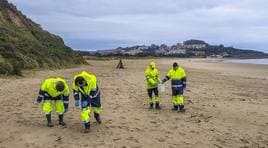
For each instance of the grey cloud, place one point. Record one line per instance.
(239, 23)
(108, 7)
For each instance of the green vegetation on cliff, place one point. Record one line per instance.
(25, 45)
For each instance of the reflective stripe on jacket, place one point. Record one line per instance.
(178, 77)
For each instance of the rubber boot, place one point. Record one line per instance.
(61, 120)
(151, 106)
(175, 108)
(49, 122)
(181, 108)
(87, 127)
(97, 117)
(157, 106)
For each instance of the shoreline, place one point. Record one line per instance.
(248, 61)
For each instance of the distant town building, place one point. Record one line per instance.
(176, 52)
(197, 53)
(194, 46)
(161, 51)
(163, 46)
(133, 52)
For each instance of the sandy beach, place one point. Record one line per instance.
(227, 106)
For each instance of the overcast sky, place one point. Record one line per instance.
(102, 24)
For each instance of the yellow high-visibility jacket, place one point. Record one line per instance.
(49, 86)
(178, 77)
(91, 82)
(152, 78)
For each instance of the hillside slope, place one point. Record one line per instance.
(25, 45)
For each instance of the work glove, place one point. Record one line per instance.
(39, 99)
(84, 104)
(76, 103)
(163, 81)
(65, 110)
(90, 98)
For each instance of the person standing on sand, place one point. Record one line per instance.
(178, 84)
(152, 81)
(86, 85)
(54, 92)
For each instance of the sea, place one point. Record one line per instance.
(248, 61)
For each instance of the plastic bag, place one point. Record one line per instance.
(161, 87)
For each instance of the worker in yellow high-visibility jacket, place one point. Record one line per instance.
(54, 92)
(86, 85)
(178, 84)
(152, 81)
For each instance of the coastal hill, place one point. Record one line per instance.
(189, 48)
(25, 45)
